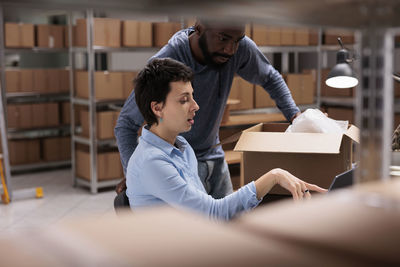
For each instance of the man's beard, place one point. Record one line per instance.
(208, 57)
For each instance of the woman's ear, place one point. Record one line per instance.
(157, 107)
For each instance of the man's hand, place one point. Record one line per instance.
(295, 116)
(121, 186)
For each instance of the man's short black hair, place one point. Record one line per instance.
(153, 84)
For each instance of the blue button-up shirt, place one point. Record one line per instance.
(159, 173)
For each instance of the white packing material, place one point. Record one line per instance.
(314, 121)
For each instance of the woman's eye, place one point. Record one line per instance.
(184, 100)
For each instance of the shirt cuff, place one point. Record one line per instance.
(249, 198)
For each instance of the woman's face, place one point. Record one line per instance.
(179, 108)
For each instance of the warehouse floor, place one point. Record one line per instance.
(61, 201)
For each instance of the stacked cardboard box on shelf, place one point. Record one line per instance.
(24, 151)
(105, 122)
(19, 35)
(244, 92)
(56, 148)
(26, 116)
(266, 35)
(108, 165)
(50, 36)
(302, 87)
(137, 33)
(108, 85)
(106, 32)
(37, 80)
(330, 36)
(275, 36)
(163, 31)
(39, 150)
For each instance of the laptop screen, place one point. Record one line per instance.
(343, 180)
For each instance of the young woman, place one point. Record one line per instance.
(163, 168)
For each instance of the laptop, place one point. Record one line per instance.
(342, 180)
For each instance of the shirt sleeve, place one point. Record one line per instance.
(162, 180)
(126, 130)
(255, 68)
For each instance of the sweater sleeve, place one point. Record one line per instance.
(254, 67)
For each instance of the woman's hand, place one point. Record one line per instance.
(298, 188)
(294, 185)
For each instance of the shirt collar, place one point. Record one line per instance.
(163, 145)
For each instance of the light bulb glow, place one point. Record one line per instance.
(342, 82)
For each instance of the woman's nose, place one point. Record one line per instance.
(195, 106)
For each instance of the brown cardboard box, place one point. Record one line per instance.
(244, 92)
(262, 98)
(40, 82)
(396, 88)
(302, 87)
(313, 73)
(163, 31)
(287, 36)
(127, 83)
(302, 36)
(293, 81)
(12, 116)
(19, 81)
(24, 151)
(57, 80)
(108, 165)
(137, 33)
(105, 121)
(19, 35)
(50, 36)
(248, 30)
(331, 35)
(266, 35)
(346, 114)
(313, 37)
(314, 157)
(38, 115)
(307, 89)
(108, 85)
(52, 114)
(53, 81)
(329, 91)
(56, 149)
(19, 116)
(64, 80)
(397, 39)
(106, 32)
(65, 113)
(13, 82)
(27, 79)
(396, 121)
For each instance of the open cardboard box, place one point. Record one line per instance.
(313, 157)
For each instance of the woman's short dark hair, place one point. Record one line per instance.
(153, 84)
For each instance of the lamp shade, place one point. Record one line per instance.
(341, 75)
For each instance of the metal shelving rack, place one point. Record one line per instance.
(93, 105)
(28, 97)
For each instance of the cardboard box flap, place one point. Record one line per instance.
(354, 133)
(289, 142)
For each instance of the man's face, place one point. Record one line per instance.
(218, 45)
